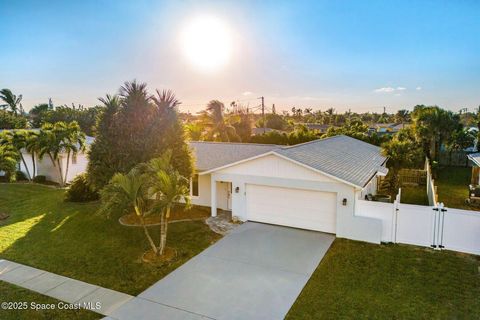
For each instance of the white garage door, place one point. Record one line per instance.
(306, 209)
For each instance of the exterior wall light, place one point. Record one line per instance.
(344, 201)
(237, 189)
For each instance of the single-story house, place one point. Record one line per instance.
(77, 165)
(260, 131)
(313, 185)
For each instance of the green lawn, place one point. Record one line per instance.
(452, 187)
(71, 240)
(357, 280)
(414, 195)
(11, 293)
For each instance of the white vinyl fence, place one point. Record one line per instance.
(429, 226)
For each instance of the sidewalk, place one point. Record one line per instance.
(63, 288)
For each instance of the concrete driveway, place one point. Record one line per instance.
(255, 272)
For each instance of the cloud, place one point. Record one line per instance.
(385, 89)
(390, 89)
(247, 93)
(418, 88)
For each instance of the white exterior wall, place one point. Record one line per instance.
(46, 168)
(276, 171)
(204, 197)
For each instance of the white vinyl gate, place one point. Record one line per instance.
(430, 226)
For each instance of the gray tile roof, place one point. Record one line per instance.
(211, 155)
(346, 158)
(343, 157)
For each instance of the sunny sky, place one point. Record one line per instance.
(358, 55)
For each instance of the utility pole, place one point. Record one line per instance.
(263, 113)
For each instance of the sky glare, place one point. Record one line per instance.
(358, 55)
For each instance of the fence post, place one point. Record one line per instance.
(435, 227)
(395, 220)
(441, 222)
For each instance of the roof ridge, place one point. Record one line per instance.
(316, 140)
(237, 143)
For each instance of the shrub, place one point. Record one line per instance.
(20, 176)
(40, 179)
(80, 191)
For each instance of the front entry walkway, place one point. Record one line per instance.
(255, 272)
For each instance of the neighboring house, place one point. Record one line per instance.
(259, 131)
(314, 185)
(78, 164)
(322, 128)
(387, 128)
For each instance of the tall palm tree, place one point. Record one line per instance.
(217, 127)
(73, 142)
(12, 101)
(56, 140)
(33, 146)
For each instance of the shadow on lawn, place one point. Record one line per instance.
(71, 240)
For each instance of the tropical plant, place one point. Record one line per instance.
(149, 188)
(134, 128)
(8, 120)
(80, 191)
(8, 160)
(401, 152)
(194, 131)
(17, 139)
(59, 139)
(216, 127)
(32, 146)
(12, 101)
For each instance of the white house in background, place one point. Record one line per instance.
(314, 185)
(78, 164)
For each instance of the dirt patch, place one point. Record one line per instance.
(168, 255)
(4, 216)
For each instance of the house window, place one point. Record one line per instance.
(194, 186)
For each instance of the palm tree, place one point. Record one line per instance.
(8, 160)
(58, 139)
(126, 193)
(149, 188)
(12, 101)
(169, 188)
(402, 116)
(214, 121)
(73, 142)
(32, 146)
(18, 140)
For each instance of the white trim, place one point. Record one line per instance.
(235, 163)
(283, 157)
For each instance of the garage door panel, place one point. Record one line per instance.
(306, 209)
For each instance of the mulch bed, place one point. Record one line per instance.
(195, 213)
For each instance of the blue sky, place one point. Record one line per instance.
(358, 55)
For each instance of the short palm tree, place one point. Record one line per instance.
(12, 101)
(18, 140)
(8, 160)
(33, 146)
(149, 188)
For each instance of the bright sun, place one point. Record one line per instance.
(207, 43)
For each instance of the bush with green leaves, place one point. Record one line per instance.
(40, 179)
(80, 191)
(134, 128)
(20, 176)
